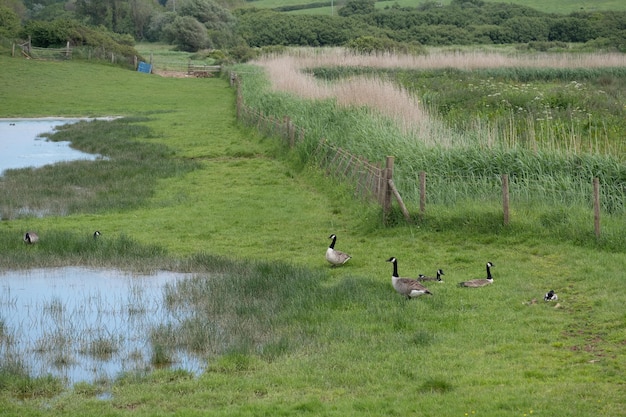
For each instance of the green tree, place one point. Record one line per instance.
(9, 23)
(188, 33)
(527, 29)
(356, 7)
(112, 14)
(159, 27)
(219, 22)
(570, 29)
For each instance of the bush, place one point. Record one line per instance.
(188, 33)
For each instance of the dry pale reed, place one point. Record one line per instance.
(287, 73)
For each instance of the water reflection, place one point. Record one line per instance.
(84, 324)
(22, 147)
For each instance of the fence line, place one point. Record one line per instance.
(372, 181)
(68, 52)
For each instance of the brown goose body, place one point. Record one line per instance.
(474, 283)
(31, 237)
(437, 278)
(408, 287)
(336, 257)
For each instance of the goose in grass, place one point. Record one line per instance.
(96, 234)
(408, 287)
(437, 278)
(334, 256)
(479, 282)
(550, 296)
(31, 237)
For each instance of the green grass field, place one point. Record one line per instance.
(311, 340)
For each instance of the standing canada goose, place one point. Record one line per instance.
(423, 277)
(408, 287)
(334, 256)
(550, 296)
(31, 237)
(480, 282)
(96, 234)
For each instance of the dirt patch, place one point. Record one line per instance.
(171, 74)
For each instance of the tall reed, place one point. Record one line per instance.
(463, 162)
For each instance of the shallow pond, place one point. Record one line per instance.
(22, 147)
(83, 324)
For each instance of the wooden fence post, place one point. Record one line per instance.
(405, 212)
(505, 198)
(386, 189)
(422, 195)
(596, 206)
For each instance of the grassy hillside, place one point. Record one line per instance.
(308, 339)
(561, 7)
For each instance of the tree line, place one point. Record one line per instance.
(235, 27)
(462, 22)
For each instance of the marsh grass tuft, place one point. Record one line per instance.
(161, 356)
(247, 308)
(101, 347)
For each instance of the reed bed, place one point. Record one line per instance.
(466, 60)
(551, 158)
(365, 82)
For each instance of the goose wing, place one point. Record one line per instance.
(411, 287)
(337, 257)
(475, 283)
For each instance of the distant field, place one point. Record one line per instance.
(561, 6)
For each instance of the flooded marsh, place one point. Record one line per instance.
(22, 146)
(81, 324)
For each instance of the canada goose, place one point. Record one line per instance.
(31, 237)
(334, 256)
(550, 296)
(96, 234)
(408, 287)
(480, 282)
(423, 277)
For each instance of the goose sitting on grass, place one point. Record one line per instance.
(408, 287)
(96, 234)
(336, 257)
(479, 282)
(31, 237)
(550, 296)
(437, 278)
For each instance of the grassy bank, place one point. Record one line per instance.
(303, 338)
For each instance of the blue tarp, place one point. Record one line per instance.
(144, 67)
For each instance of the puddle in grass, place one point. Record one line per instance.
(85, 325)
(21, 145)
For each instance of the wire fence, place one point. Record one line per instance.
(375, 181)
(26, 50)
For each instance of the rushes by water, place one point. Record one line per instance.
(123, 180)
(245, 307)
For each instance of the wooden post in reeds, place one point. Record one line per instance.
(387, 193)
(422, 195)
(596, 206)
(505, 198)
